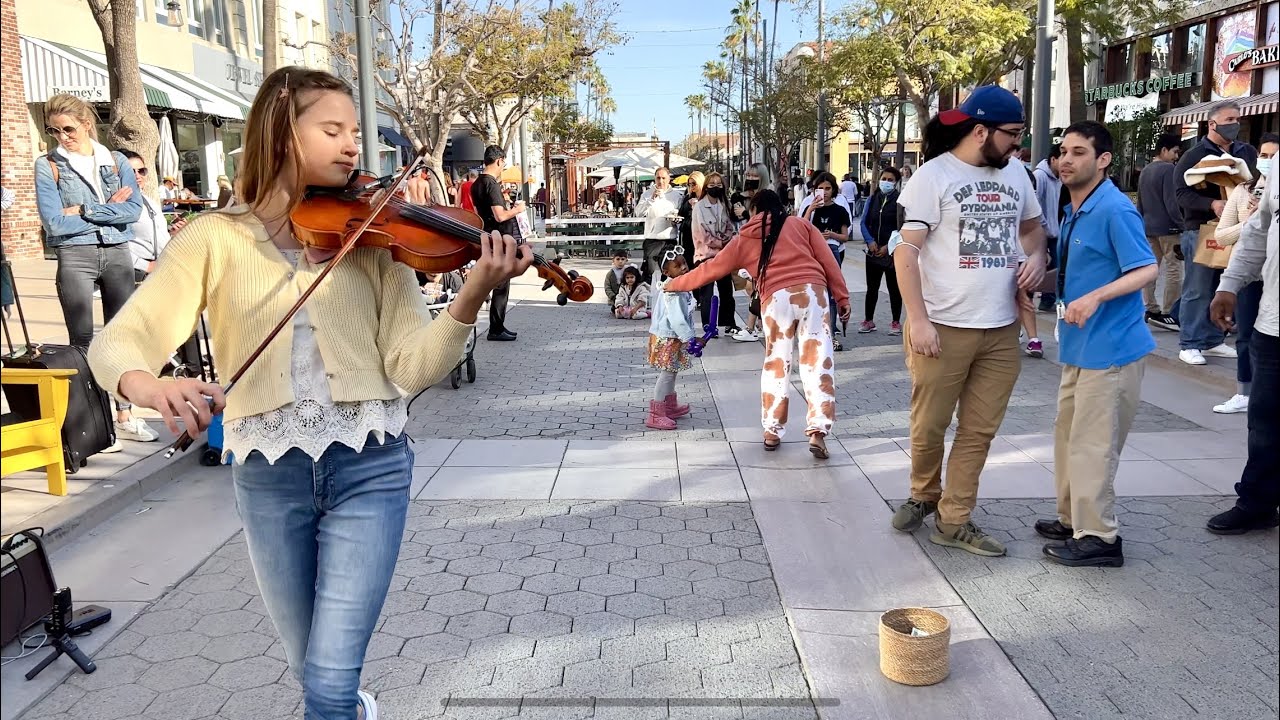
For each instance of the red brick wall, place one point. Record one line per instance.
(19, 225)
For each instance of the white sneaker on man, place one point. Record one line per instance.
(1223, 351)
(1192, 357)
(1237, 404)
(136, 429)
(368, 706)
(744, 335)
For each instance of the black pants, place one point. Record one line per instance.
(80, 269)
(724, 286)
(653, 250)
(1259, 486)
(874, 273)
(498, 307)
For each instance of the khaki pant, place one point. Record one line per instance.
(1171, 269)
(976, 372)
(1095, 411)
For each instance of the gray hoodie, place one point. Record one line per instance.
(1048, 190)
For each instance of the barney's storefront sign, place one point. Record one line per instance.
(1138, 88)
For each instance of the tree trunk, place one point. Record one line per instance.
(131, 126)
(270, 37)
(1075, 65)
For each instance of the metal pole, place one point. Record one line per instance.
(368, 106)
(821, 162)
(524, 171)
(1044, 79)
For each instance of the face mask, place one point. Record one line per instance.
(1264, 166)
(750, 184)
(716, 192)
(887, 186)
(1230, 132)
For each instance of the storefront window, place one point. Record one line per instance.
(1189, 57)
(1161, 48)
(1120, 64)
(232, 141)
(195, 17)
(257, 22)
(190, 142)
(218, 15)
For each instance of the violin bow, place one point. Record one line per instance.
(186, 438)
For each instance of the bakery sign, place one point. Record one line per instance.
(1256, 58)
(1138, 88)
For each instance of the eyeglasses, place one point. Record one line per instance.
(1015, 134)
(141, 172)
(68, 130)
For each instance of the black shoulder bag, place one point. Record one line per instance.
(776, 221)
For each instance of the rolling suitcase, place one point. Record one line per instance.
(90, 424)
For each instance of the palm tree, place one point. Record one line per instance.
(690, 102)
(741, 38)
(700, 107)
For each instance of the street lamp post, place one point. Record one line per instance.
(368, 106)
(821, 162)
(1044, 78)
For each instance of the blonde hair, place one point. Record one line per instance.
(67, 104)
(271, 143)
(224, 182)
(696, 181)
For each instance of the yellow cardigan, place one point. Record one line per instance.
(370, 318)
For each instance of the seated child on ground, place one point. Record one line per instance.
(632, 302)
(613, 279)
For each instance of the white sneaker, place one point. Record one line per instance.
(135, 429)
(115, 447)
(1192, 357)
(1237, 404)
(1223, 351)
(745, 335)
(368, 705)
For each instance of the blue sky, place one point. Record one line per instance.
(662, 62)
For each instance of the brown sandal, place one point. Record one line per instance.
(772, 443)
(818, 446)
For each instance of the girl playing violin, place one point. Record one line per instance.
(322, 466)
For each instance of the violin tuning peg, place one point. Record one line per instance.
(546, 285)
(562, 299)
(573, 274)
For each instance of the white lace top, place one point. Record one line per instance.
(313, 421)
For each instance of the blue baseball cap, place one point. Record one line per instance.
(989, 104)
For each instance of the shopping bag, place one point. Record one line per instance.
(1209, 252)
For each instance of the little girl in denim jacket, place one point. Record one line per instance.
(671, 327)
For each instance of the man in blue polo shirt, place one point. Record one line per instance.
(1104, 262)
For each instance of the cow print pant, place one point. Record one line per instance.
(795, 319)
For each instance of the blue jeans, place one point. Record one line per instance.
(1198, 286)
(81, 268)
(1248, 303)
(324, 537)
(838, 251)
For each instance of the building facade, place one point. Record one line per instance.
(201, 65)
(1224, 50)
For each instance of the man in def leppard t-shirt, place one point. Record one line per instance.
(972, 244)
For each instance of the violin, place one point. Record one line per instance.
(427, 238)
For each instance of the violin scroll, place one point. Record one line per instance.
(571, 285)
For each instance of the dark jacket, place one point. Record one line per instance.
(1158, 199)
(880, 218)
(1197, 203)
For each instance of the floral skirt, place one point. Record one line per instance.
(667, 354)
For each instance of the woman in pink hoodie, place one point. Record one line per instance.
(794, 279)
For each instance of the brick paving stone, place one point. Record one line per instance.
(523, 632)
(582, 376)
(1180, 631)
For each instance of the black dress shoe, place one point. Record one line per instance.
(1088, 551)
(1238, 521)
(504, 336)
(1053, 530)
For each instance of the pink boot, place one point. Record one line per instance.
(674, 408)
(658, 419)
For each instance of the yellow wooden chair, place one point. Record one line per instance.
(38, 443)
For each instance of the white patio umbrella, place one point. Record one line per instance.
(167, 154)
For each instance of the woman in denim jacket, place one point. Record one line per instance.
(86, 210)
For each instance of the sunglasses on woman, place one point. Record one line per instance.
(141, 172)
(68, 130)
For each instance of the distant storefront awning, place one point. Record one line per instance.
(394, 137)
(49, 68)
(1265, 104)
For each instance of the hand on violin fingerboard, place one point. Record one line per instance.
(501, 258)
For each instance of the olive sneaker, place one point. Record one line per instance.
(969, 538)
(911, 514)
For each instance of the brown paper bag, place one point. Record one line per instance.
(1208, 251)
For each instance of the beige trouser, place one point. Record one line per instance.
(977, 372)
(1095, 411)
(1171, 269)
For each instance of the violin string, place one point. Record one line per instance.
(444, 222)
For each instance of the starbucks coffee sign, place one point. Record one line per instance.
(1138, 88)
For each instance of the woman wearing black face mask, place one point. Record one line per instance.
(756, 178)
(712, 229)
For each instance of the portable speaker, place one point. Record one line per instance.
(26, 584)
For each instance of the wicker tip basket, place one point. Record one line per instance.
(910, 659)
